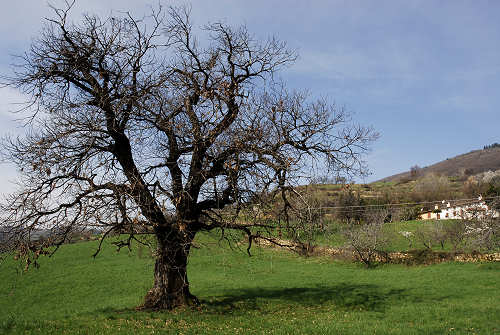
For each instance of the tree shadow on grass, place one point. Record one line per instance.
(343, 296)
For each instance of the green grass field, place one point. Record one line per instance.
(393, 231)
(271, 292)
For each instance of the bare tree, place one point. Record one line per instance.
(432, 187)
(142, 128)
(368, 240)
(415, 171)
(433, 233)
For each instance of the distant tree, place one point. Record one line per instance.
(463, 173)
(469, 171)
(350, 206)
(483, 234)
(432, 187)
(415, 171)
(309, 220)
(323, 180)
(340, 180)
(491, 146)
(475, 186)
(404, 213)
(456, 233)
(431, 234)
(493, 187)
(141, 128)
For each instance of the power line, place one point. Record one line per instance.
(410, 203)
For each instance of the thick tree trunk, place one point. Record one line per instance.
(171, 285)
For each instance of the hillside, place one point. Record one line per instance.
(474, 162)
(449, 182)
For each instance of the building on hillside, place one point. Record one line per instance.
(473, 210)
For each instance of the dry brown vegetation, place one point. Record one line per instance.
(474, 162)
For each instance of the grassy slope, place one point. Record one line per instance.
(378, 192)
(270, 292)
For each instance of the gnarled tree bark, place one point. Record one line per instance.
(171, 284)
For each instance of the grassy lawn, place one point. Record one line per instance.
(271, 292)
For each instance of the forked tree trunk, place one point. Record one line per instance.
(171, 285)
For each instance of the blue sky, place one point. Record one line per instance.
(425, 74)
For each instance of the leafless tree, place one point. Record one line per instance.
(141, 127)
(456, 234)
(368, 240)
(432, 187)
(415, 171)
(432, 233)
(306, 222)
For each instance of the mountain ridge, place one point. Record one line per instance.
(470, 163)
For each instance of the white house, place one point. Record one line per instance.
(474, 210)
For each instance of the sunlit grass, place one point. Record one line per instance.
(270, 292)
